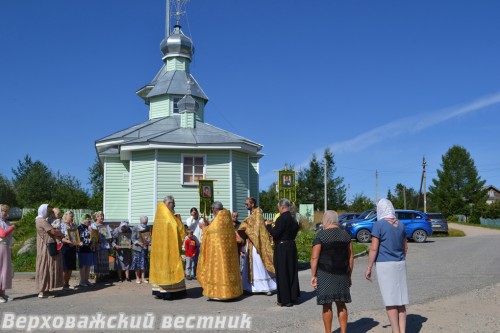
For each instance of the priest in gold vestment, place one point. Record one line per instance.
(166, 270)
(258, 267)
(218, 265)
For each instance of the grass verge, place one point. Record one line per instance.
(451, 233)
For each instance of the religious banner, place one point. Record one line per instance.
(206, 191)
(286, 185)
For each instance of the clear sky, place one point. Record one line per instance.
(383, 83)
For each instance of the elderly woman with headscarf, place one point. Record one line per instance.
(5, 253)
(49, 270)
(332, 261)
(101, 254)
(388, 250)
(140, 249)
(122, 243)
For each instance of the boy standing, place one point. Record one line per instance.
(190, 246)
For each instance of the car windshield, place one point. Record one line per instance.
(367, 214)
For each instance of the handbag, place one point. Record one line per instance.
(52, 247)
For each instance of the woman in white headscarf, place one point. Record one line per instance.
(122, 242)
(388, 249)
(49, 269)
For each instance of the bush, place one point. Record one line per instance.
(25, 262)
(304, 241)
(26, 227)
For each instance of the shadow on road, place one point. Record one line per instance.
(361, 325)
(414, 323)
(305, 296)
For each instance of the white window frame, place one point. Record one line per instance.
(175, 106)
(182, 167)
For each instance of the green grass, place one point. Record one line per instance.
(451, 233)
(478, 225)
(304, 245)
(24, 262)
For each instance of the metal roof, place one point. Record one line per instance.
(172, 82)
(167, 132)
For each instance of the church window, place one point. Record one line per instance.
(193, 168)
(176, 107)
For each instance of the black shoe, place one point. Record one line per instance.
(128, 280)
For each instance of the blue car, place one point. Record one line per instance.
(417, 226)
(343, 219)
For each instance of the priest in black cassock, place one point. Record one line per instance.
(284, 231)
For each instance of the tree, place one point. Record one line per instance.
(7, 194)
(310, 184)
(458, 189)
(268, 200)
(96, 179)
(33, 182)
(361, 203)
(398, 198)
(69, 193)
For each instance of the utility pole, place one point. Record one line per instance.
(348, 195)
(326, 182)
(404, 195)
(376, 186)
(424, 163)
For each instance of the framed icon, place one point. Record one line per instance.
(124, 240)
(104, 231)
(145, 237)
(287, 179)
(73, 236)
(207, 191)
(94, 236)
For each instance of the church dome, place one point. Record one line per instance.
(177, 45)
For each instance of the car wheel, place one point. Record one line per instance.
(419, 236)
(363, 236)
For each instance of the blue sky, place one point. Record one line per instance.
(383, 83)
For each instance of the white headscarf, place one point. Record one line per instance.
(42, 211)
(119, 229)
(385, 209)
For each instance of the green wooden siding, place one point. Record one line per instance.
(240, 182)
(178, 63)
(142, 185)
(186, 196)
(254, 177)
(187, 120)
(159, 106)
(116, 189)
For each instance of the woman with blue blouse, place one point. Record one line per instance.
(388, 250)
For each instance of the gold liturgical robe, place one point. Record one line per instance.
(166, 269)
(254, 229)
(218, 265)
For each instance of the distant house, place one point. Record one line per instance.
(168, 153)
(493, 194)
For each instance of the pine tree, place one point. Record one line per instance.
(458, 189)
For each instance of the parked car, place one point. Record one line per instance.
(343, 219)
(439, 222)
(417, 226)
(366, 215)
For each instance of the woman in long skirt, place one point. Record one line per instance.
(6, 270)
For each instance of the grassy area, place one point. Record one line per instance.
(476, 225)
(451, 233)
(304, 245)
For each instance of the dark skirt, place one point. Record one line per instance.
(332, 287)
(68, 257)
(85, 259)
(101, 262)
(287, 274)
